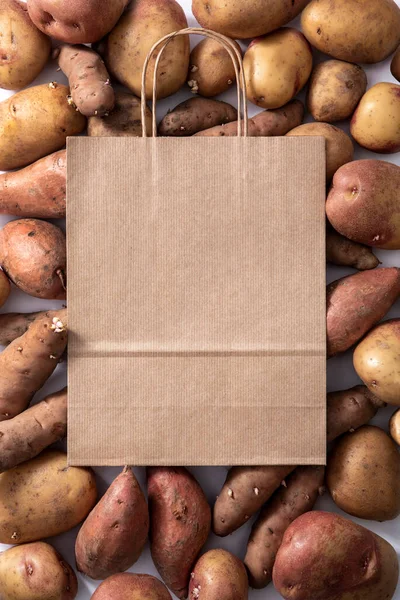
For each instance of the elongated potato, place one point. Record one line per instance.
(5, 288)
(126, 47)
(211, 70)
(24, 49)
(302, 489)
(266, 123)
(180, 520)
(196, 114)
(344, 252)
(219, 575)
(44, 497)
(123, 121)
(28, 362)
(356, 303)
(131, 586)
(114, 534)
(244, 492)
(37, 191)
(13, 325)
(35, 123)
(33, 254)
(29, 433)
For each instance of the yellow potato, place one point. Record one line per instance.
(35, 123)
(394, 426)
(24, 49)
(128, 44)
(358, 31)
(5, 288)
(395, 65)
(44, 497)
(339, 147)
(376, 123)
(276, 67)
(211, 70)
(376, 360)
(335, 90)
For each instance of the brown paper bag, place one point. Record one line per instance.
(196, 297)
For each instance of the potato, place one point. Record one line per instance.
(36, 191)
(244, 492)
(211, 70)
(113, 536)
(302, 489)
(356, 31)
(219, 575)
(259, 18)
(24, 49)
(347, 410)
(266, 123)
(44, 497)
(180, 520)
(394, 426)
(34, 123)
(76, 21)
(376, 361)
(335, 89)
(88, 79)
(126, 47)
(339, 147)
(326, 557)
(13, 325)
(33, 254)
(375, 123)
(36, 572)
(5, 288)
(363, 474)
(196, 114)
(356, 303)
(344, 252)
(27, 363)
(123, 121)
(363, 203)
(131, 586)
(395, 65)
(277, 67)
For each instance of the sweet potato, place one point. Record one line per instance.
(27, 434)
(33, 255)
(88, 79)
(5, 288)
(13, 325)
(29, 361)
(194, 115)
(243, 494)
(219, 575)
(266, 123)
(36, 191)
(347, 410)
(344, 252)
(131, 586)
(356, 303)
(114, 534)
(180, 520)
(297, 497)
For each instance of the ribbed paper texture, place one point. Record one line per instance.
(196, 298)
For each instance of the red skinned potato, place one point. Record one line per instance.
(28, 362)
(356, 303)
(76, 21)
(344, 252)
(218, 575)
(114, 534)
(302, 489)
(180, 520)
(37, 191)
(326, 557)
(131, 586)
(5, 288)
(13, 325)
(33, 254)
(243, 494)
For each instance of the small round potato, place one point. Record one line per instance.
(395, 65)
(219, 575)
(36, 572)
(123, 121)
(363, 474)
(376, 360)
(335, 89)
(339, 147)
(277, 66)
(359, 31)
(131, 586)
(375, 123)
(211, 70)
(394, 426)
(24, 49)
(5, 288)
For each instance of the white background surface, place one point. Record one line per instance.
(340, 370)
